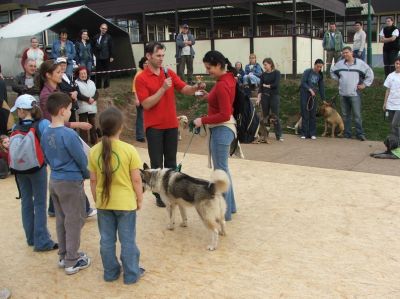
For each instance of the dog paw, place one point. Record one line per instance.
(183, 224)
(323, 134)
(170, 227)
(211, 248)
(222, 233)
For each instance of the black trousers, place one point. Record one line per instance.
(388, 61)
(270, 104)
(91, 119)
(162, 147)
(102, 65)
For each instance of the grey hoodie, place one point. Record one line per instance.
(349, 76)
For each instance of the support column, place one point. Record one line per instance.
(144, 30)
(212, 33)
(311, 35)
(294, 39)
(252, 27)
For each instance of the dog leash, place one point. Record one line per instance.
(310, 99)
(195, 131)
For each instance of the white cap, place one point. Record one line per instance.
(25, 101)
(61, 60)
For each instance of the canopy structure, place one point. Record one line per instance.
(14, 37)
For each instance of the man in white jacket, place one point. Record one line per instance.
(353, 75)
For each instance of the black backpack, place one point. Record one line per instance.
(247, 120)
(4, 169)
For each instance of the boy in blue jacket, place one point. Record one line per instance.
(68, 162)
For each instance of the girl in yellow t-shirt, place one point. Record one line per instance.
(117, 190)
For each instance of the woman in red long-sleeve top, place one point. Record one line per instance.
(220, 119)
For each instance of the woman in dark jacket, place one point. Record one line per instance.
(311, 82)
(83, 48)
(268, 95)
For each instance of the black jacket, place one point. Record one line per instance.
(392, 46)
(104, 49)
(67, 88)
(19, 86)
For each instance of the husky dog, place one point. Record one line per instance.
(183, 124)
(179, 189)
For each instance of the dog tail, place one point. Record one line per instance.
(221, 180)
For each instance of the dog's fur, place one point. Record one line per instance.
(266, 123)
(332, 118)
(183, 124)
(294, 122)
(179, 189)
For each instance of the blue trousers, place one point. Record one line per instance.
(308, 114)
(220, 141)
(110, 223)
(351, 105)
(362, 56)
(33, 189)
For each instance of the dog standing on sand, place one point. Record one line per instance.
(183, 124)
(179, 189)
(332, 118)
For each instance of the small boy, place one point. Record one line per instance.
(65, 155)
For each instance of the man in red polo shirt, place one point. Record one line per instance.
(155, 90)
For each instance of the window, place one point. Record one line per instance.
(280, 30)
(264, 30)
(4, 18)
(15, 14)
(350, 31)
(202, 33)
(151, 33)
(134, 31)
(160, 33)
(51, 37)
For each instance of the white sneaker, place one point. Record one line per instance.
(82, 263)
(92, 212)
(313, 137)
(303, 137)
(61, 263)
(281, 139)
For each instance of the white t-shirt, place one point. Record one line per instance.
(393, 83)
(394, 33)
(186, 49)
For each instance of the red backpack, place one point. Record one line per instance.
(25, 152)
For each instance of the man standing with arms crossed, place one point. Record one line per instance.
(333, 45)
(155, 90)
(185, 53)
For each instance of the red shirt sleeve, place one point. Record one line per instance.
(222, 99)
(142, 91)
(177, 82)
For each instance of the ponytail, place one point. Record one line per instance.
(230, 68)
(36, 113)
(111, 121)
(107, 168)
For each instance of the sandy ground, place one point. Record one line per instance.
(300, 232)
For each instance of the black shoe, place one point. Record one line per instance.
(160, 203)
(51, 214)
(141, 139)
(54, 247)
(362, 138)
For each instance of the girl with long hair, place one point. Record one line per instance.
(219, 117)
(116, 187)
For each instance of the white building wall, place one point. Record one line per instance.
(237, 49)
(277, 48)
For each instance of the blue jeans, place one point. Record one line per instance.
(70, 69)
(352, 105)
(88, 65)
(33, 189)
(220, 141)
(139, 122)
(308, 114)
(124, 222)
(355, 54)
(251, 79)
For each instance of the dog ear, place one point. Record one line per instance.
(145, 166)
(325, 103)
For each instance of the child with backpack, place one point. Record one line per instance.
(27, 162)
(116, 187)
(68, 162)
(220, 118)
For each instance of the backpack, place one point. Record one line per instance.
(25, 153)
(247, 120)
